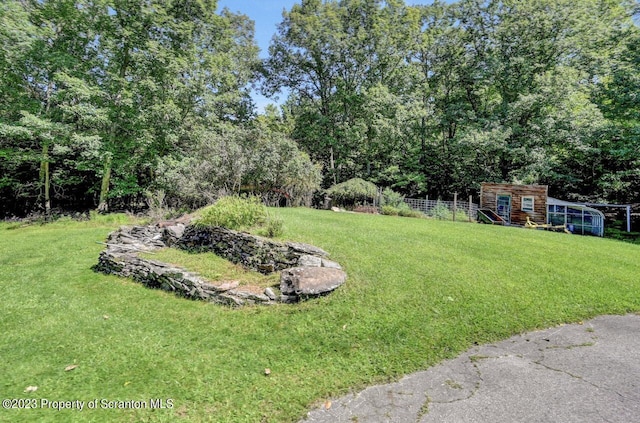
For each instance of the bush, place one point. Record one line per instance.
(272, 228)
(227, 158)
(440, 211)
(233, 212)
(353, 192)
(409, 212)
(402, 209)
(390, 211)
(461, 216)
(391, 198)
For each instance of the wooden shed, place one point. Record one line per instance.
(514, 203)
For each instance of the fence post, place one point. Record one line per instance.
(470, 202)
(455, 205)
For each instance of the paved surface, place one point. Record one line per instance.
(572, 373)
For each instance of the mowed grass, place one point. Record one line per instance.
(213, 268)
(419, 291)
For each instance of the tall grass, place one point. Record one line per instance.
(418, 291)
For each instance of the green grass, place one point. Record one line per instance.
(419, 291)
(213, 268)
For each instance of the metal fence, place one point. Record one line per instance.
(445, 210)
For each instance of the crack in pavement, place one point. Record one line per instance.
(572, 374)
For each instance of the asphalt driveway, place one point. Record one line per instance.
(583, 373)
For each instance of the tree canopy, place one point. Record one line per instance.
(438, 98)
(103, 102)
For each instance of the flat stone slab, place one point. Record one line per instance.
(304, 281)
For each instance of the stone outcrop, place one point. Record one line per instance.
(253, 252)
(310, 281)
(305, 270)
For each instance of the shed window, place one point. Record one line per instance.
(527, 203)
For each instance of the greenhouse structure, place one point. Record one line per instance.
(579, 218)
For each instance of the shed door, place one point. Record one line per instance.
(503, 207)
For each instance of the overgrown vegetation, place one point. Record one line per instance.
(393, 205)
(97, 110)
(241, 214)
(353, 192)
(419, 291)
(233, 212)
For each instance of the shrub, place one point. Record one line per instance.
(402, 209)
(390, 211)
(353, 192)
(440, 211)
(272, 228)
(226, 158)
(461, 216)
(409, 212)
(391, 198)
(233, 212)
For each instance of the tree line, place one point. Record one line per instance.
(113, 103)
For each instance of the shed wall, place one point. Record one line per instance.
(489, 194)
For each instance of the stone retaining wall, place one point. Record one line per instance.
(253, 252)
(257, 253)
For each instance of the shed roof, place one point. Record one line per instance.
(556, 202)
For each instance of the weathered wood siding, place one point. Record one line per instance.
(489, 196)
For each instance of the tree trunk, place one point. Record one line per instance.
(45, 176)
(103, 206)
(333, 166)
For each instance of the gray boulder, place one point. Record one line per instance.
(308, 281)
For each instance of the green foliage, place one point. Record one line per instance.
(233, 212)
(540, 91)
(109, 218)
(229, 160)
(109, 89)
(440, 212)
(390, 210)
(102, 101)
(391, 198)
(461, 216)
(401, 209)
(272, 228)
(353, 192)
(407, 211)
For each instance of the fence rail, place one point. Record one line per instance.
(446, 210)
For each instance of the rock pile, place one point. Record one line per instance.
(306, 271)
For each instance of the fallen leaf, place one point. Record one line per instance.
(127, 383)
(327, 405)
(267, 372)
(70, 367)
(31, 389)
(105, 317)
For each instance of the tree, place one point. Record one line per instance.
(232, 160)
(329, 54)
(130, 81)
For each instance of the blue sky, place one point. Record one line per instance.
(267, 14)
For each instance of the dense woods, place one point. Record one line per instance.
(117, 104)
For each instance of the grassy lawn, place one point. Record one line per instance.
(213, 268)
(419, 291)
